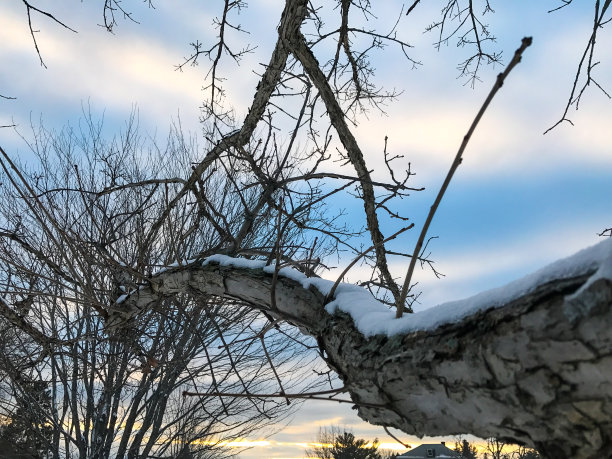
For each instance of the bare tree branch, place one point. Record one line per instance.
(587, 63)
(457, 161)
(29, 9)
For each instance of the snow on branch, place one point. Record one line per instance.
(370, 316)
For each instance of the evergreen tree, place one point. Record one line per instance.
(465, 449)
(336, 445)
(347, 446)
(28, 430)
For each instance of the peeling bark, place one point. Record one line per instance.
(536, 371)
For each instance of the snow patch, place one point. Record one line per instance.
(122, 298)
(372, 317)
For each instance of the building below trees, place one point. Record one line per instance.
(428, 451)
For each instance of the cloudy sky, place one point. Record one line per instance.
(520, 200)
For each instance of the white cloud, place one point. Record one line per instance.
(429, 121)
(112, 72)
(426, 124)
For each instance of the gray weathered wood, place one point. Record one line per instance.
(536, 371)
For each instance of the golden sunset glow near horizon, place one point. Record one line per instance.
(516, 204)
(264, 446)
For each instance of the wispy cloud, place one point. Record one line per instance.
(112, 73)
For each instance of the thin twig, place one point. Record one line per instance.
(405, 445)
(587, 55)
(308, 396)
(29, 8)
(526, 42)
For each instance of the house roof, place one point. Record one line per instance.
(420, 452)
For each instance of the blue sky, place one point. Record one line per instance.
(520, 199)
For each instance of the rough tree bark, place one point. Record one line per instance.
(537, 370)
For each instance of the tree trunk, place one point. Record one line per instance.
(537, 370)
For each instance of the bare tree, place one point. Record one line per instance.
(135, 258)
(76, 235)
(496, 447)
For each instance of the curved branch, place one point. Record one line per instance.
(534, 368)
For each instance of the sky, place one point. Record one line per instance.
(519, 200)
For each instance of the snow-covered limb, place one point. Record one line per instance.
(530, 362)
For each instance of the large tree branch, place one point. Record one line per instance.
(535, 370)
(336, 115)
